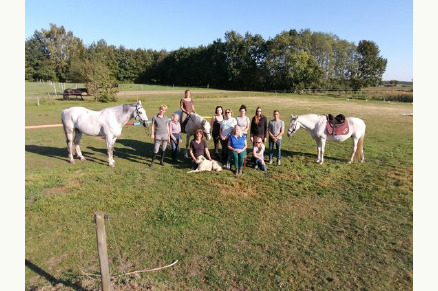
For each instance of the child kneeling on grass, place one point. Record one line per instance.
(257, 153)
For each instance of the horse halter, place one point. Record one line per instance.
(294, 128)
(206, 133)
(138, 115)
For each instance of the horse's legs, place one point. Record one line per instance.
(320, 144)
(77, 141)
(110, 141)
(323, 141)
(69, 141)
(355, 140)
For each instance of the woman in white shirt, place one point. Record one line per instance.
(227, 128)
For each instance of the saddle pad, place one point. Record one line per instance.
(338, 129)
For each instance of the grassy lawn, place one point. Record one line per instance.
(299, 226)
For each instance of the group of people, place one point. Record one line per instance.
(231, 133)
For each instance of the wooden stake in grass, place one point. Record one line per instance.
(102, 249)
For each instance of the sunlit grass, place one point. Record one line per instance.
(299, 226)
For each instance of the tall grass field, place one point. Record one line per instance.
(297, 226)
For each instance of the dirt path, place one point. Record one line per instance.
(161, 92)
(43, 126)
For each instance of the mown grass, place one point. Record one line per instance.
(299, 226)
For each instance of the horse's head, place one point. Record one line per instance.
(293, 125)
(206, 128)
(140, 114)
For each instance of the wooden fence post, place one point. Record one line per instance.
(102, 249)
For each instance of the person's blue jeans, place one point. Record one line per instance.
(258, 163)
(175, 145)
(271, 148)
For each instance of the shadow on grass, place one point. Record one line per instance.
(134, 150)
(51, 278)
(60, 153)
(141, 152)
(292, 154)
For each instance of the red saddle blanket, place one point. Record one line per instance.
(337, 129)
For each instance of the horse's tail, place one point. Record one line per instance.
(358, 155)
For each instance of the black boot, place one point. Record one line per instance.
(153, 159)
(162, 158)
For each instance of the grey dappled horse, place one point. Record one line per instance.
(194, 122)
(107, 122)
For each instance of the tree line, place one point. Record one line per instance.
(291, 61)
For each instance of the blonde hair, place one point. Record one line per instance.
(237, 128)
(163, 106)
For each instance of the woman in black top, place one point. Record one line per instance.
(259, 126)
(198, 147)
(215, 123)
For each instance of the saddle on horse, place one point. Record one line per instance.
(337, 125)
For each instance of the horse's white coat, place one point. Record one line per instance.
(316, 126)
(107, 122)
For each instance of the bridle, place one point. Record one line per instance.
(137, 114)
(294, 127)
(206, 133)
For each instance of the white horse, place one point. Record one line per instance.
(194, 122)
(107, 122)
(316, 125)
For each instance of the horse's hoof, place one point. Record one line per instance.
(112, 165)
(72, 162)
(82, 158)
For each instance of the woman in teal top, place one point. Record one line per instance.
(237, 148)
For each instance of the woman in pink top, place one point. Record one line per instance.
(243, 120)
(175, 136)
(187, 107)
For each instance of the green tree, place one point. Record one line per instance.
(290, 67)
(214, 60)
(37, 59)
(62, 47)
(371, 65)
(49, 53)
(97, 77)
(104, 53)
(100, 81)
(235, 51)
(253, 66)
(345, 65)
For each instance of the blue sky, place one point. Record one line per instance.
(173, 24)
